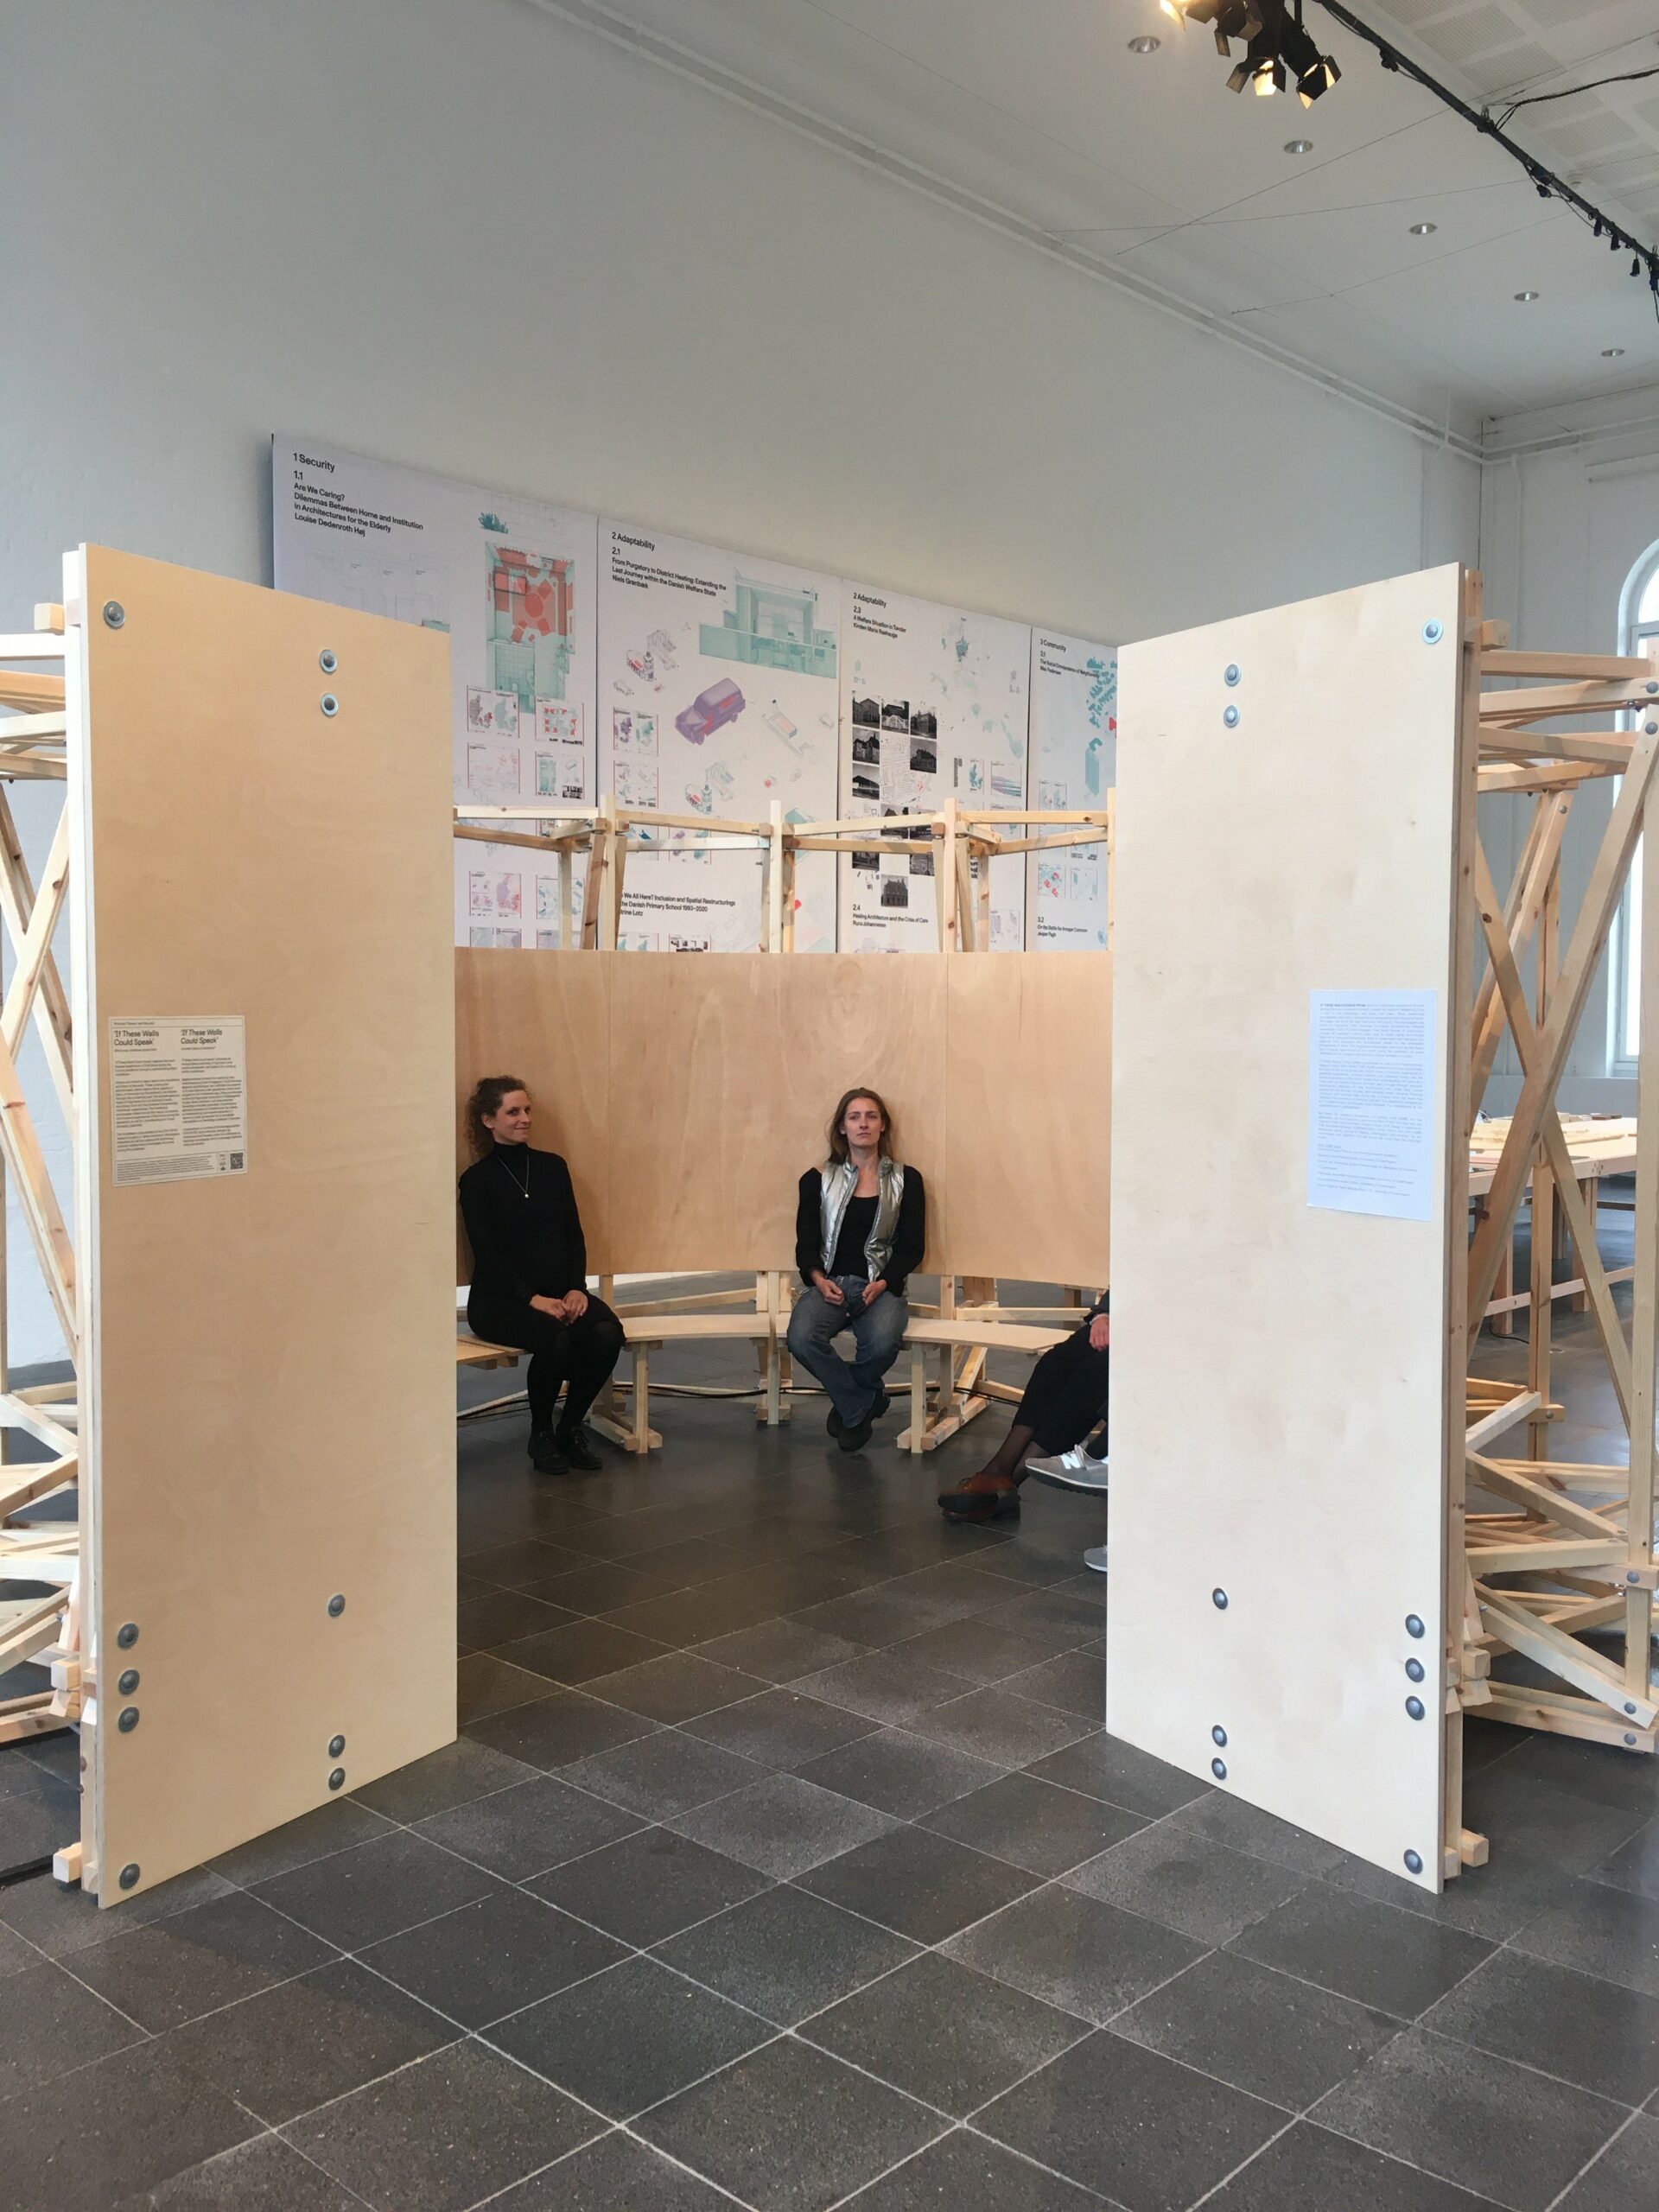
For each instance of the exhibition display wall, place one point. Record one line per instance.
(592, 656)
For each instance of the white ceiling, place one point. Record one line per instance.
(1150, 168)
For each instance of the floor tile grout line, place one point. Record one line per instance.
(1622, 2129)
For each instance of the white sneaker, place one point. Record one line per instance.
(1096, 1558)
(1072, 1470)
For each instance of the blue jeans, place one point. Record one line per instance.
(853, 1385)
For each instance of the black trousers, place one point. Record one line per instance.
(581, 1354)
(1066, 1396)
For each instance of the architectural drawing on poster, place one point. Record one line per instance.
(718, 696)
(1073, 765)
(934, 705)
(512, 582)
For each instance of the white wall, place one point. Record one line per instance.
(1570, 505)
(464, 235)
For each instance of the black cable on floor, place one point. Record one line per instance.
(24, 1871)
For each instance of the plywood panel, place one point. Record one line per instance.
(545, 1016)
(1026, 1190)
(268, 1395)
(1281, 1383)
(724, 1072)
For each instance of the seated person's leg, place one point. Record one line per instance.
(878, 1333)
(592, 1344)
(500, 1321)
(814, 1322)
(1063, 1378)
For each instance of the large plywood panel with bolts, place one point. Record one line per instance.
(1284, 1376)
(268, 1423)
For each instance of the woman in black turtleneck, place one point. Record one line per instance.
(530, 1273)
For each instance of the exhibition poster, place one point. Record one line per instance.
(933, 705)
(512, 582)
(718, 694)
(1073, 765)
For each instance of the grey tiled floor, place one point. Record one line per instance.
(783, 1862)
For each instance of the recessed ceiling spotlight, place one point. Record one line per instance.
(1424, 230)
(1298, 145)
(1145, 45)
(1526, 295)
(1612, 352)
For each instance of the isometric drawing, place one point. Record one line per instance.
(479, 939)
(531, 603)
(776, 718)
(547, 898)
(645, 733)
(772, 626)
(971, 778)
(710, 711)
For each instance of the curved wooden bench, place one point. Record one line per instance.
(945, 1336)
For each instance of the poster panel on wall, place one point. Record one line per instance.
(1073, 765)
(717, 695)
(513, 582)
(933, 704)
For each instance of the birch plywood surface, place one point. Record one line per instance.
(1028, 1076)
(724, 1070)
(547, 1020)
(1280, 1385)
(268, 1386)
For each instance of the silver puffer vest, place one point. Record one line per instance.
(839, 1179)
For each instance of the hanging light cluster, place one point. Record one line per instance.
(1279, 51)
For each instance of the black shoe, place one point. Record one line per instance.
(834, 1423)
(577, 1451)
(882, 1401)
(545, 1454)
(854, 1440)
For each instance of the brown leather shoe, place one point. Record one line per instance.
(965, 1503)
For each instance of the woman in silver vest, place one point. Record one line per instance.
(860, 1229)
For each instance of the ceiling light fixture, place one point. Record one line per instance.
(1424, 230)
(1298, 145)
(1145, 45)
(1278, 48)
(1612, 352)
(1526, 295)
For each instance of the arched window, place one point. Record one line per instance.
(1638, 625)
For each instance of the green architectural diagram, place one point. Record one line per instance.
(772, 626)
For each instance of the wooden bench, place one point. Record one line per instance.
(961, 1394)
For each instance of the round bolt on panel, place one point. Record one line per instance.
(1630, 1740)
(1432, 633)
(1649, 729)
(328, 660)
(329, 704)
(1630, 1709)
(1414, 1670)
(129, 1875)
(127, 1634)
(1414, 1707)
(1218, 1735)
(336, 1745)
(129, 1720)
(1413, 1625)
(1230, 717)
(1229, 674)
(129, 1682)
(1218, 1768)
(1219, 1599)
(336, 1606)
(1414, 1862)
(114, 613)
(337, 1779)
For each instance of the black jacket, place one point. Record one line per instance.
(523, 1248)
(909, 1235)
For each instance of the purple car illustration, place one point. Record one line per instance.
(721, 703)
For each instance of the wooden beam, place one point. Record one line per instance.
(1580, 668)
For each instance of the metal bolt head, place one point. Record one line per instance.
(336, 1745)
(329, 704)
(1633, 1576)
(1230, 674)
(336, 1606)
(337, 1779)
(114, 613)
(1219, 1599)
(1218, 1768)
(1630, 1740)
(1414, 1670)
(129, 1720)
(1230, 717)
(1651, 689)
(328, 660)
(1414, 1707)
(128, 1877)
(1218, 1735)
(129, 1682)
(1432, 633)
(127, 1634)
(1414, 1862)
(1414, 1624)
(1630, 1709)
(1649, 729)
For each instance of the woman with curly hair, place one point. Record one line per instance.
(530, 1273)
